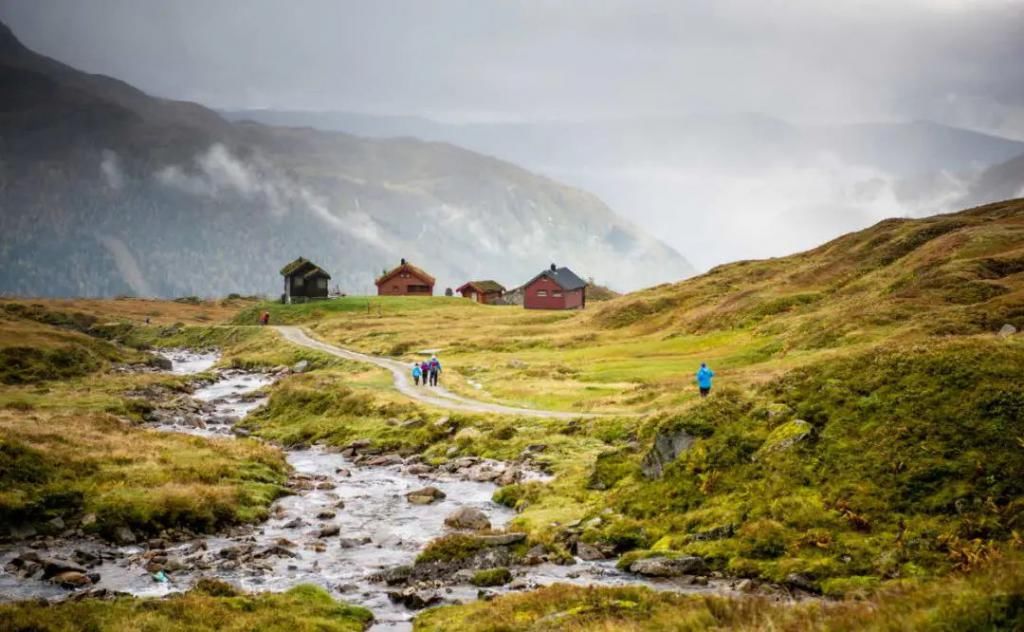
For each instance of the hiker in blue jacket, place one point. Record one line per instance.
(416, 372)
(704, 375)
(435, 370)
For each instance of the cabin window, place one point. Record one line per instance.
(542, 292)
(321, 284)
(419, 288)
(556, 294)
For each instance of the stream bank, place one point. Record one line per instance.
(348, 526)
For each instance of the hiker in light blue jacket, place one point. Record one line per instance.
(417, 372)
(704, 375)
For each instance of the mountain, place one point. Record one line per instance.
(999, 182)
(107, 190)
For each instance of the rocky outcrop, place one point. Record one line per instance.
(783, 438)
(425, 496)
(668, 445)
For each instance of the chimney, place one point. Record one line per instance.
(553, 268)
(403, 261)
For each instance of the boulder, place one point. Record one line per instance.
(415, 599)
(784, 437)
(329, 531)
(467, 518)
(425, 496)
(418, 468)
(1007, 330)
(160, 362)
(501, 539)
(325, 515)
(589, 552)
(301, 366)
(385, 460)
(801, 582)
(123, 535)
(71, 579)
(669, 566)
(668, 445)
(54, 567)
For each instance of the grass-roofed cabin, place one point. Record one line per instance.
(488, 292)
(304, 281)
(405, 280)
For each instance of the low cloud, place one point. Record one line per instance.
(110, 168)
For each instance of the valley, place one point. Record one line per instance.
(858, 463)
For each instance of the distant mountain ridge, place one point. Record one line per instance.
(106, 190)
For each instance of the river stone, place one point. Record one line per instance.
(467, 518)
(668, 445)
(669, 566)
(351, 543)
(418, 468)
(1007, 330)
(294, 523)
(325, 515)
(71, 579)
(385, 460)
(330, 530)
(160, 362)
(394, 576)
(123, 535)
(589, 552)
(53, 567)
(414, 599)
(425, 496)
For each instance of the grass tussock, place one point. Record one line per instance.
(991, 599)
(211, 605)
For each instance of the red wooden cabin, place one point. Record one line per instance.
(488, 292)
(555, 288)
(405, 280)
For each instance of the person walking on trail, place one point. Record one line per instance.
(425, 371)
(416, 372)
(704, 375)
(265, 318)
(435, 370)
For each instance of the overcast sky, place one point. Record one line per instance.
(954, 61)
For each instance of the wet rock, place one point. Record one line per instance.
(86, 558)
(123, 535)
(509, 476)
(340, 504)
(668, 445)
(359, 445)
(746, 586)
(384, 460)
(589, 552)
(669, 566)
(22, 532)
(301, 366)
(53, 567)
(415, 599)
(71, 579)
(160, 362)
(156, 543)
(394, 576)
(343, 472)
(326, 486)
(467, 518)
(418, 468)
(425, 496)
(235, 552)
(351, 543)
(536, 555)
(325, 515)
(801, 582)
(329, 531)
(55, 524)
(88, 520)
(275, 550)
(1007, 330)
(294, 523)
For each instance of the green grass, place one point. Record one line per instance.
(211, 606)
(992, 599)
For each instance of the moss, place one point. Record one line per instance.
(491, 577)
(450, 548)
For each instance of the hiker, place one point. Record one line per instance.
(265, 318)
(416, 372)
(425, 371)
(435, 370)
(704, 375)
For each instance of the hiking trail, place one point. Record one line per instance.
(434, 395)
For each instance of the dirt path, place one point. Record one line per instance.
(435, 396)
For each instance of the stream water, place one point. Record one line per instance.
(379, 528)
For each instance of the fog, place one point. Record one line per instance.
(647, 104)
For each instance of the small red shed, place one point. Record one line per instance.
(488, 292)
(555, 288)
(405, 280)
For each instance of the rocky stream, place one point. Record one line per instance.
(354, 523)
